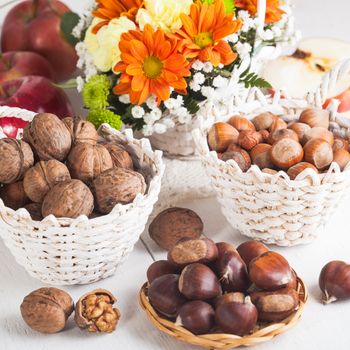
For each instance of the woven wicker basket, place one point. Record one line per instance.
(79, 251)
(263, 333)
(273, 208)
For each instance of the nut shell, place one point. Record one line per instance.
(261, 156)
(282, 134)
(13, 195)
(240, 156)
(81, 131)
(319, 133)
(340, 143)
(286, 153)
(341, 157)
(34, 209)
(49, 137)
(300, 129)
(297, 169)
(248, 139)
(117, 186)
(315, 117)
(120, 157)
(221, 135)
(68, 199)
(241, 123)
(39, 179)
(264, 121)
(319, 153)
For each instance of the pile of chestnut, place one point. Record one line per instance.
(207, 287)
(270, 143)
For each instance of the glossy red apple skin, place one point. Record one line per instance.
(37, 94)
(16, 64)
(30, 28)
(344, 99)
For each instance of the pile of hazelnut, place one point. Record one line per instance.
(63, 168)
(270, 143)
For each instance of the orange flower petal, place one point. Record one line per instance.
(138, 50)
(138, 82)
(209, 55)
(188, 24)
(145, 93)
(161, 90)
(134, 69)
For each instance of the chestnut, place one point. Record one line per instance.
(232, 272)
(188, 251)
(248, 139)
(319, 153)
(270, 271)
(275, 306)
(300, 129)
(334, 281)
(164, 295)
(160, 268)
(286, 153)
(315, 117)
(261, 155)
(297, 169)
(237, 318)
(264, 121)
(221, 135)
(341, 157)
(196, 316)
(294, 282)
(282, 134)
(250, 250)
(241, 123)
(237, 297)
(224, 247)
(340, 143)
(240, 156)
(199, 282)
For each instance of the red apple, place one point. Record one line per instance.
(20, 64)
(34, 25)
(37, 94)
(344, 99)
(11, 125)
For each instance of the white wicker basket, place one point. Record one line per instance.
(273, 208)
(79, 251)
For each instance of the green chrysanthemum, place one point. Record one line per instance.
(96, 92)
(98, 117)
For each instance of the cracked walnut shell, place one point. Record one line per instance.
(121, 158)
(81, 131)
(42, 177)
(95, 312)
(46, 310)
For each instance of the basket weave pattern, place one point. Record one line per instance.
(262, 334)
(62, 251)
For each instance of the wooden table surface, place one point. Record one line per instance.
(321, 327)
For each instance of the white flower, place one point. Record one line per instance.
(152, 102)
(137, 112)
(168, 122)
(266, 34)
(276, 31)
(198, 65)
(219, 81)
(170, 103)
(156, 114)
(207, 91)
(147, 130)
(199, 78)
(80, 84)
(179, 101)
(124, 99)
(159, 128)
(247, 21)
(243, 50)
(194, 86)
(208, 67)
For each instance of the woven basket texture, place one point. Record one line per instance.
(61, 251)
(263, 333)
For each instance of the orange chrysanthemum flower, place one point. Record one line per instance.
(203, 31)
(273, 11)
(150, 64)
(110, 9)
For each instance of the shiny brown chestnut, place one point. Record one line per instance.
(250, 250)
(196, 316)
(199, 282)
(188, 251)
(237, 318)
(164, 295)
(161, 268)
(334, 281)
(237, 297)
(224, 247)
(270, 271)
(275, 306)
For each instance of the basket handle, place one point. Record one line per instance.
(261, 14)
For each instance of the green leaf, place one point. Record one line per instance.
(191, 104)
(68, 21)
(253, 80)
(229, 5)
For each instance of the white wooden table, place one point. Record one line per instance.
(321, 328)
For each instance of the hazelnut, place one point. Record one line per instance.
(95, 312)
(241, 157)
(278, 124)
(233, 147)
(264, 121)
(241, 123)
(42, 177)
(120, 157)
(13, 195)
(81, 131)
(46, 310)
(319, 153)
(340, 143)
(319, 133)
(85, 161)
(68, 199)
(341, 157)
(261, 156)
(221, 135)
(300, 129)
(264, 135)
(16, 157)
(49, 137)
(248, 139)
(282, 134)
(297, 169)
(117, 186)
(34, 209)
(286, 152)
(315, 117)
(173, 224)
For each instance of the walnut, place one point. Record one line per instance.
(16, 157)
(46, 310)
(121, 158)
(81, 130)
(95, 312)
(49, 137)
(34, 209)
(13, 195)
(115, 186)
(42, 177)
(68, 199)
(86, 161)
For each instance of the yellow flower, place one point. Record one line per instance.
(104, 46)
(163, 14)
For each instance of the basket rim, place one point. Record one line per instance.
(222, 340)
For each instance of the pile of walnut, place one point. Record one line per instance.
(62, 168)
(47, 310)
(271, 144)
(207, 287)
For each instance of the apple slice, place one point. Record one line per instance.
(10, 126)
